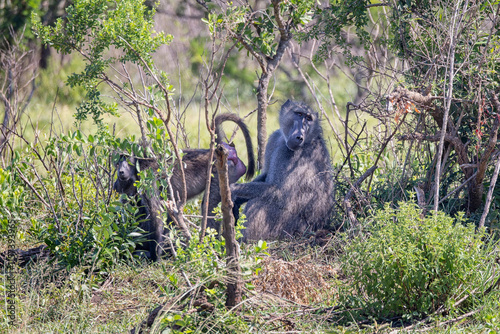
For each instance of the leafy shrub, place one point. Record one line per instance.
(208, 258)
(83, 225)
(205, 262)
(12, 197)
(99, 242)
(412, 265)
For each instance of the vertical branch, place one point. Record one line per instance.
(268, 71)
(490, 194)
(346, 143)
(351, 192)
(211, 80)
(234, 285)
(491, 145)
(262, 103)
(15, 94)
(268, 65)
(208, 176)
(268, 62)
(207, 84)
(448, 96)
(5, 129)
(383, 148)
(177, 214)
(137, 108)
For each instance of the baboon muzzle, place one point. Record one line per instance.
(296, 137)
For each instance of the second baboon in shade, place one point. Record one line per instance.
(195, 163)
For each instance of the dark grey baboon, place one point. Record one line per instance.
(294, 192)
(195, 164)
(147, 213)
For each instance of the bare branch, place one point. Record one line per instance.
(350, 193)
(235, 285)
(378, 4)
(489, 197)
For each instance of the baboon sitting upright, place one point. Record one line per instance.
(195, 165)
(294, 192)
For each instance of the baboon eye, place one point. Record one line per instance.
(299, 113)
(309, 118)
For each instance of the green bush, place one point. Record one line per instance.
(12, 197)
(408, 265)
(85, 224)
(104, 237)
(206, 263)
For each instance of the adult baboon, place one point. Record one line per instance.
(195, 165)
(294, 192)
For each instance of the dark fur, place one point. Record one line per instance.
(294, 192)
(195, 164)
(147, 214)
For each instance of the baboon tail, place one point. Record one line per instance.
(246, 133)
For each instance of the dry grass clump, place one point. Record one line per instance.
(297, 281)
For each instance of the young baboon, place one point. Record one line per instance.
(147, 213)
(294, 192)
(195, 163)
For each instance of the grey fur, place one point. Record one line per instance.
(294, 192)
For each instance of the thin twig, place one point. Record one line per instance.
(350, 193)
(448, 97)
(21, 175)
(458, 188)
(490, 194)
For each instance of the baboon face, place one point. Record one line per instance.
(126, 169)
(297, 121)
(232, 156)
(236, 167)
(127, 175)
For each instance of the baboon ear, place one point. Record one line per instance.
(287, 104)
(117, 160)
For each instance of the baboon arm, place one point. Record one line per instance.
(260, 178)
(243, 192)
(250, 190)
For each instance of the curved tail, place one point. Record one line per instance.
(219, 119)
